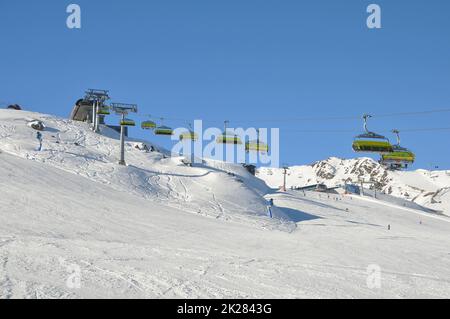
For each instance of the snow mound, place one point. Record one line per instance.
(209, 189)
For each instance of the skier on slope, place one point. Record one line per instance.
(39, 137)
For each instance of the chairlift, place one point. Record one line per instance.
(148, 125)
(227, 138)
(163, 130)
(103, 110)
(189, 135)
(400, 158)
(370, 142)
(257, 146)
(127, 122)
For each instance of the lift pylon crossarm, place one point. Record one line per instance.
(97, 92)
(97, 95)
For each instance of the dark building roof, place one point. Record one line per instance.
(14, 107)
(82, 111)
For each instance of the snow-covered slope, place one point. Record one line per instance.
(55, 225)
(158, 229)
(427, 188)
(71, 146)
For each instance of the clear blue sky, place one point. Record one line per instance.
(245, 60)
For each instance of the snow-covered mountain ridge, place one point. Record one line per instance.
(427, 188)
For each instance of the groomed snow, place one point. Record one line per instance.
(158, 229)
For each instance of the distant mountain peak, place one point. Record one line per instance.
(420, 186)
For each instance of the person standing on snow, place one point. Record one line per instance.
(39, 137)
(269, 208)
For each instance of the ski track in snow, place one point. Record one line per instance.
(159, 229)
